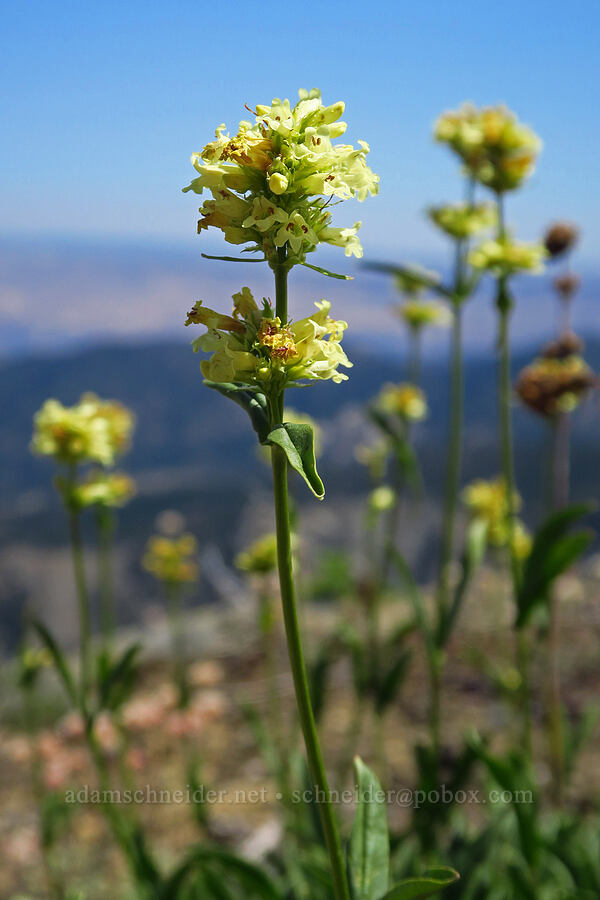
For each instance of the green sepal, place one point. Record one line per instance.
(426, 886)
(298, 444)
(251, 400)
(329, 274)
(369, 859)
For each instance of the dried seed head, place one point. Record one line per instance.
(567, 284)
(560, 237)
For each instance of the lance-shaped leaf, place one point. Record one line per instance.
(298, 444)
(474, 552)
(414, 274)
(369, 860)
(329, 274)
(426, 886)
(554, 551)
(59, 659)
(233, 258)
(251, 400)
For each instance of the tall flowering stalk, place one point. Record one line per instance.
(91, 435)
(499, 152)
(271, 186)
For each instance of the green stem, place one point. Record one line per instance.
(106, 530)
(560, 498)
(453, 461)
(178, 651)
(85, 633)
(292, 630)
(414, 368)
(504, 305)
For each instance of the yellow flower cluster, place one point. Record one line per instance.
(506, 257)
(270, 183)
(92, 430)
(497, 149)
(260, 557)
(488, 502)
(111, 489)
(254, 347)
(171, 560)
(404, 400)
(418, 314)
(381, 499)
(463, 220)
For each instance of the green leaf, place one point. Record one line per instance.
(59, 659)
(233, 258)
(429, 884)
(118, 681)
(552, 553)
(369, 859)
(475, 546)
(413, 272)
(416, 599)
(392, 680)
(298, 444)
(252, 401)
(329, 274)
(254, 882)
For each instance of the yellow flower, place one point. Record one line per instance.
(506, 257)
(417, 314)
(171, 560)
(119, 419)
(497, 149)
(381, 499)
(488, 502)
(260, 557)
(404, 400)
(462, 220)
(72, 434)
(288, 153)
(253, 346)
(111, 489)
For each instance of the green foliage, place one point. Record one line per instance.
(554, 551)
(298, 444)
(369, 858)
(433, 882)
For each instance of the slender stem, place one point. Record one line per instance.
(292, 630)
(178, 650)
(504, 306)
(415, 363)
(85, 634)
(560, 498)
(106, 529)
(453, 461)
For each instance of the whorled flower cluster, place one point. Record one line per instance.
(496, 149)
(418, 314)
(462, 220)
(92, 430)
(260, 557)
(505, 257)
(253, 346)
(172, 560)
(272, 183)
(487, 501)
(550, 386)
(407, 401)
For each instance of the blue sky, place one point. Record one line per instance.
(104, 102)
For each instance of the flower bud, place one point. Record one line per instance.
(278, 183)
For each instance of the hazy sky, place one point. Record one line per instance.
(102, 103)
